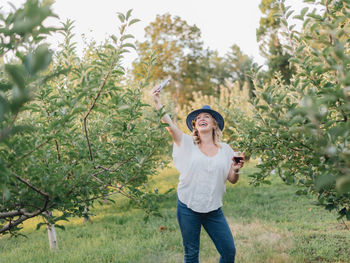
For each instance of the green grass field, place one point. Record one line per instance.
(270, 224)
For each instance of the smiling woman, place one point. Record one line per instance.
(205, 164)
(203, 119)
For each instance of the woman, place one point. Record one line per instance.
(204, 163)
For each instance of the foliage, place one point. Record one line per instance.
(301, 129)
(270, 36)
(180, 54)
(239, 66)
(270, 23)
(89, 135)
(177, 46)
(23, 57)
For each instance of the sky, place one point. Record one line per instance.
(222, 22)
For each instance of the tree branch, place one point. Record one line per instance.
(23, 216)
(104, 169)
(58, 151)
(301, 143)
(50, 121)
(13, 223)
(11, 213)
(30, 185)
(89, 111)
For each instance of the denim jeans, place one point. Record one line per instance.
(214, 223)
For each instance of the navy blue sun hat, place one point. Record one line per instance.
(217, 116)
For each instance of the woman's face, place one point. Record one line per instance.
(204, 122)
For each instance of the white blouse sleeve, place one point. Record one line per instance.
(181, 155)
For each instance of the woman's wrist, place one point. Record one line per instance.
(234, 175)
(158, 106)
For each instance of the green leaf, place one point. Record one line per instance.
(301, 192)
(289, 13)
(134, 21)
(5, 86)
(299, 17)
(324, 181)
(114, 38)
(119, 72)
(39, 60)
(122, 29)
(17, 75)
(315, 16)
(121, 17)
(4, 191)
(38, 226)
(343, 184)
(128, 14)
(303, 11)
(126, 37)
(129, 45)
(60, 226)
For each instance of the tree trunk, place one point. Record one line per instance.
(86, 216)
(51, 232)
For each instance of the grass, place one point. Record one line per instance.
(269, 223)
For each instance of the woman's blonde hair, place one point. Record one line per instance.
(217, 134)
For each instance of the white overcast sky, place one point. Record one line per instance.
(222, 22)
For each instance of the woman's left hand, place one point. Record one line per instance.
(240, 164)
(236, 166)
(234, 171)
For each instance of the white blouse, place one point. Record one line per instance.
(202, 178)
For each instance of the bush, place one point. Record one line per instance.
(73, 130)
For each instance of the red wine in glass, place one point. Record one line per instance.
(238, 159)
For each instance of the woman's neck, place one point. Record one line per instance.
(206, 138)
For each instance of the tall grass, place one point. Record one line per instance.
(270, 224)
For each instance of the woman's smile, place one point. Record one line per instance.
(204, 121)
(203, 124)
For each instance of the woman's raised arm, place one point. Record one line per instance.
(174, 131)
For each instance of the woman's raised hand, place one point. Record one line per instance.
(155, 92)
(174, 131)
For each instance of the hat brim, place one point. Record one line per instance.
(217, 116)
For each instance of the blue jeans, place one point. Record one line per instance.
(214, 223)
